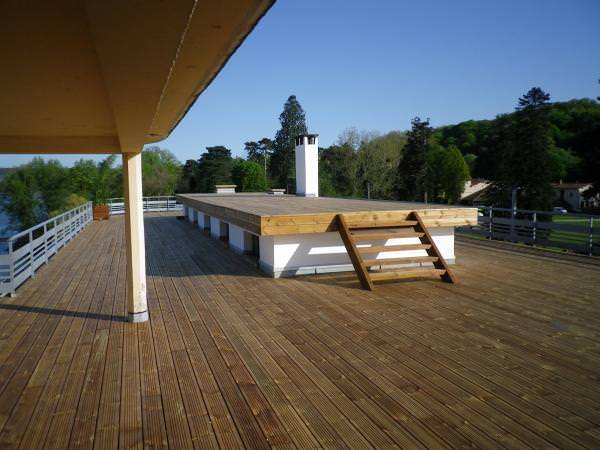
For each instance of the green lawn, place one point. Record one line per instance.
(573, 237)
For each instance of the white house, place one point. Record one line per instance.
(572, 195)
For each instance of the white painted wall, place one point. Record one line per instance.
(325, 252)
(191, 214)
(236, 238)
(200, 219)
(215, 227)
(307, 168)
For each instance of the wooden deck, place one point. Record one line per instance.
(266, 214)
(507, 358)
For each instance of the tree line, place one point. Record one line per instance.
(40, 189)
(521, 152)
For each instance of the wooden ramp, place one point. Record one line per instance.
(370, 230)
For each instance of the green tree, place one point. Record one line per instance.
(214, 167)
(338, 164)
(376, 163)
(434, 177)
(84, 176)
(35, 191)
(533, 99)
(187, 181)
(108, 182)
(454, 174)
(524, 158)
(160, 171)
(252, 149)
(19, 201)
(562, 162)
(293, 123)
(260, 152)
(249, 176)
(410, 178)
(471, 160)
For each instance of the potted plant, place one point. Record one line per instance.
(103, 188)
(100, 198)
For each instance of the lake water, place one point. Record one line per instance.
(4, 223)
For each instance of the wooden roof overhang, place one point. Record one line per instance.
(108, 76)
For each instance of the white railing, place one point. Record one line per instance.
(569, 231)
(31, 248)
(156, 204)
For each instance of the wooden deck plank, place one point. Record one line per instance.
(508, 358)
(44, 357)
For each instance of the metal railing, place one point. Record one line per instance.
(576, 232)
(31, 248)
(156, 204)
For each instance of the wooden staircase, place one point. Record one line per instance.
(363, 232)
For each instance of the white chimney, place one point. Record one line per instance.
(307, 165)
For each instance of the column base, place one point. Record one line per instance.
(138, 317)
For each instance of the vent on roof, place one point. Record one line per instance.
(225, 188)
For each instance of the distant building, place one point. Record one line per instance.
(572, 196)
(475, 190)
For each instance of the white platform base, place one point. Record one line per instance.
(301, 254)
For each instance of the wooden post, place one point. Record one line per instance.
(591, 237)
(134, 235)
(31, 262)
(534, 228)
(11, 268)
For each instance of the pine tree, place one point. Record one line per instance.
(293, 123)
(410, 179)
(534, 98)
(524, 158)
(252, 149)
(214, 167)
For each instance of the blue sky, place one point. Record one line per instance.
(376, 64)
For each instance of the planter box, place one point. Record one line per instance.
(101, 212)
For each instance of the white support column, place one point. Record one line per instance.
(134, 236)
(236, 239)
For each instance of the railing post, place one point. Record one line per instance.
(11, 268)
(591, 237)
(491, 225)
(31, 266)
(534, 230)
(45, 243)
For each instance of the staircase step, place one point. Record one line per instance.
(412, 272)
(393, 248)
(374, 230)
(392, 261)
(384, 234)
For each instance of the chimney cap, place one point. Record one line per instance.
(307, 135)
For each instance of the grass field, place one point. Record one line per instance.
(574, 237)
(577, 240)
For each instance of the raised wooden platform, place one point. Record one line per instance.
(266, 214)
(231, 359)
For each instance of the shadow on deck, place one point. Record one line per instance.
(229, 358)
